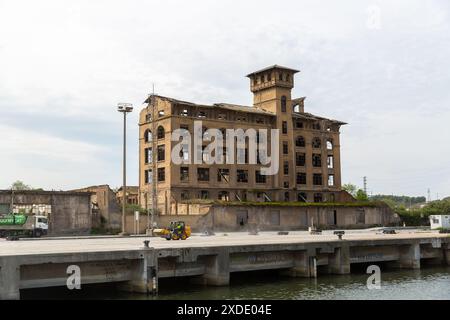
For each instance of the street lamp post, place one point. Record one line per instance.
(124, 108)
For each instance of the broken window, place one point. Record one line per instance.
(224, 196)
(302, 197)
(242, 176)
(147, 135)
(184, 152)
(283, 104)
(316, 143)
(301, 178)
(202, 174)
(206, 155)
(161, 152)
(148, 155)
(161, 113)
(259, 178)
(298, 123)
(286, 168)
(161, 174)
(317, 160)
(184, 195)
(184, 174)
(300, 142)
(223, 175)
(148, 117)
(331, 180)
(284, 127)
(148, 176)
(204, 194)
(222, 116)
(160, 133)
(300, 159)
(329, 145)
(184, 112)
(317, 179)
(285, 147)
(330, 162)
(202, 114)
(318, 197)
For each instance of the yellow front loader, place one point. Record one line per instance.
(176, 231)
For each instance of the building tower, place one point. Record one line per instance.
(271, 89)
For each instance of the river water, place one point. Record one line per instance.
(427, 283)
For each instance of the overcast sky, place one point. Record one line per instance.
(381, 66)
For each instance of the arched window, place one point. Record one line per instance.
(283, 104)
(300, 142)
(161, 133)
(147, 135)
(316, 143)
(329, 144)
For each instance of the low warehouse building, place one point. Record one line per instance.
(68, 213)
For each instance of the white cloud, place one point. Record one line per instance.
(76, 60)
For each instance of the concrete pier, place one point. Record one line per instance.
(207, 260)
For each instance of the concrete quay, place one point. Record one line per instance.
(208, 260)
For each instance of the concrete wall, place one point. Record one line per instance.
(202, 217)
(105, 205)
(70, 211)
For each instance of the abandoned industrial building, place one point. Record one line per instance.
(309, 152)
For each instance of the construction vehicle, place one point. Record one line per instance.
(15, 225)
(176, 231)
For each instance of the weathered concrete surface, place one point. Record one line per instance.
(209, 260)
(70, 211)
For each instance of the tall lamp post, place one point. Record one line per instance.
(124, 108)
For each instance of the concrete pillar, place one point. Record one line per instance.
(409, 256)
(305, 265)
(9, 279)
(144, 275)
(217, 269)
(339, 261)
(447, 254)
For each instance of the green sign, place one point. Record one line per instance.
(11, 220)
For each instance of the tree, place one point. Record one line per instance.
(19, 185)
(361, 195)
(350, 188)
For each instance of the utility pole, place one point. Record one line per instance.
(124, 108)
(151, 210)
(365, 184)
(12, 200)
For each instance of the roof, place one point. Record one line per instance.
(130, 188)
(310, 116)
(226, 106)
(275, 66)
(46, 192)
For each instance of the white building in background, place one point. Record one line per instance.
(440, 221)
